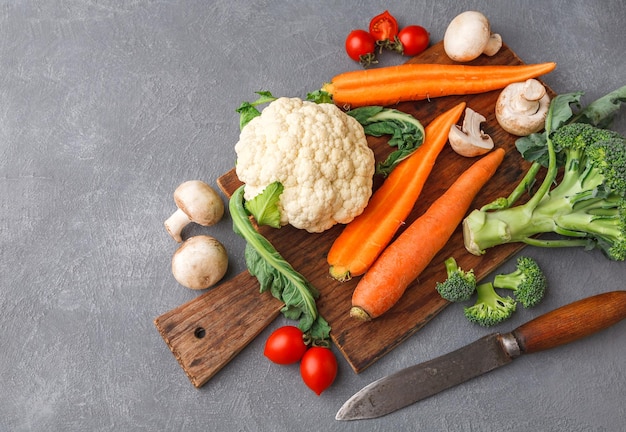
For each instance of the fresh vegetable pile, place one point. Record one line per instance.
(306, 163)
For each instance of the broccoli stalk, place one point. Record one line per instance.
(527, 281)
(490, 308)
(459, 285)
(587, 207)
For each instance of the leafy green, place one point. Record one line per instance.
(407, 133)
(275, 274)
(247, 110)
(264, 206)
(319, 96)
(601, 113)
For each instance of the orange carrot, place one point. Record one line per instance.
(403, 261)
(363, 239)
(393, 84)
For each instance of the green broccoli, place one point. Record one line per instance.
(587, 207)
(490, 308)
(460, 284)
(527, 281)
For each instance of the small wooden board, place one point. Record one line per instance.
(360, 343)
(204, 334)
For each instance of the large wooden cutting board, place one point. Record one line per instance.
(233, 313)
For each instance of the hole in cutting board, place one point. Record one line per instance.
(199, 333)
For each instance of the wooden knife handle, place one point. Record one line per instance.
(572, 322)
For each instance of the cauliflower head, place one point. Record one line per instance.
(317, 152)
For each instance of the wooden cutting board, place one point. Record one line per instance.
(207, 332)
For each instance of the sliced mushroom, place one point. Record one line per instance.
(468, 36)
(470, 140)
(197, 202)
(521, 108)
(200, 262)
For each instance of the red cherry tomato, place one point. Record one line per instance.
(414, 40)
(318, 369)
(384, 27)
(285, 345)
(360, 46)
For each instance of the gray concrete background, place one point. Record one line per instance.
(105, 107)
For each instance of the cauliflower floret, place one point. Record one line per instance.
(318, 153)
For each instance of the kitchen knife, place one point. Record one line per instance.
(558, 327)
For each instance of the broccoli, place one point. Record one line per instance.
(460, 284)
(527, 281)
(490, 308)
(587, 207)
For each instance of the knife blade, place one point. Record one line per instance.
(558, 327)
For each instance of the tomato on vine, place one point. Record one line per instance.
(318, 368)
(286, 345)
(414, 39)
(360, 47)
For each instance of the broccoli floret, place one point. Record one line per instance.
(490, 308)
(460, 284)
(587, 207)
(527, 281)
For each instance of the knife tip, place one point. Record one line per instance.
(340, 416)
(344, 414)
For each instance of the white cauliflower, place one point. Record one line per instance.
(317, 152)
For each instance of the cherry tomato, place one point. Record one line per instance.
(318, 368)
(414, 40)
(360, 46)
(285, 345)
(384, 27)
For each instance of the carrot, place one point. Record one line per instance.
(393, 84)
(363, 239)
(403, 261)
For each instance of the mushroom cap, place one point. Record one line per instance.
(521, 108)
(200, 202)
(200, 262)
(467, 36)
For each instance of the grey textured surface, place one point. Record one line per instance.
(105, 107)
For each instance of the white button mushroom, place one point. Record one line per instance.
(200, 262)
(470, 140)
(521, 108)
(197, 202)
(468, 36)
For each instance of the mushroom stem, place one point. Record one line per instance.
(528, 100)
(470, 140)
(493, 44)
(175, 224)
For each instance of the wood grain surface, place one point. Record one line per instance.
(361, 343)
